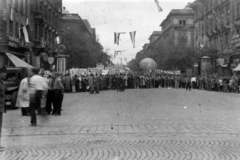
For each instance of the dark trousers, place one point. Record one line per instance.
(35, 104)
(57, 101)
(97, 88)
(25, 111)
(188, 86)
(50, 101)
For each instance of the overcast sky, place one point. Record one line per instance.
(109, 16)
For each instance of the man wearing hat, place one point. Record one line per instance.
(3, 74)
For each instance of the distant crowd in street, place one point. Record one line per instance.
(44, 93)
(122, 81)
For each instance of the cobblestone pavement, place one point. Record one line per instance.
(132, 125)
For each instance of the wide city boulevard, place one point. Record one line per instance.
(140, 124)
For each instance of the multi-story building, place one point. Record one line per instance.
(217, 26)
(178, 27)
(30, 29)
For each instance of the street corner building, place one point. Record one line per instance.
(217, 26)
(30, 30)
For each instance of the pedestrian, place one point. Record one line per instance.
(23, 97)
(67, 81)
(97, 82)
(58, 90)
(50, 95)
(73, 82)
(37, 86)
(188, 84)
(3, 74)
(91, 83)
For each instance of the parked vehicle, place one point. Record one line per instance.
(12, 81)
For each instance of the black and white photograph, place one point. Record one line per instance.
(119, 79)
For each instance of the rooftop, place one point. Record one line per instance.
(186, 11)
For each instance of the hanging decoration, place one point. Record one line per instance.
(132, 35)
(158, 6)
(117, 37)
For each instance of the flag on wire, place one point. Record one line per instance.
(132, 35)
(25, 34)
(11, 14)
(158, 6)
(117, 37)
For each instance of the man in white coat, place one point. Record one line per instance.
(23, 97)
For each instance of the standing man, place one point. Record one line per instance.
(37, 86)
(188, 84)
(50, 95)
(97, 83)
(3, 74)
(58, 90)
(91, 83)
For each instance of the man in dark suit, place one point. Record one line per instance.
(97, 82)
(91, 83)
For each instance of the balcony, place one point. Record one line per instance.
(38, 17)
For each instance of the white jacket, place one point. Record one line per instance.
(23, 94)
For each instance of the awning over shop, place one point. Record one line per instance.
(17, 61)
(237, 68)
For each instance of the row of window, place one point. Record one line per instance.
(218, 42)
(222, 12)
(50, 13)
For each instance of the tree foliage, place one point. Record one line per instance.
(171, 57)
(84, 50)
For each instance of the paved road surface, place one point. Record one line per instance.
(135, 124)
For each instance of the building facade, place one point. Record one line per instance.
(154, 36)
(217, 26)
(31, 30)
(178, 27)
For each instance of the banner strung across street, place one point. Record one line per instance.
(167, 72)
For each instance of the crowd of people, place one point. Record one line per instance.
(40, 93)
(44, 93)
(120, 82)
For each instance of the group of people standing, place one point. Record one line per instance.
(122, 81)
(40, 93)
